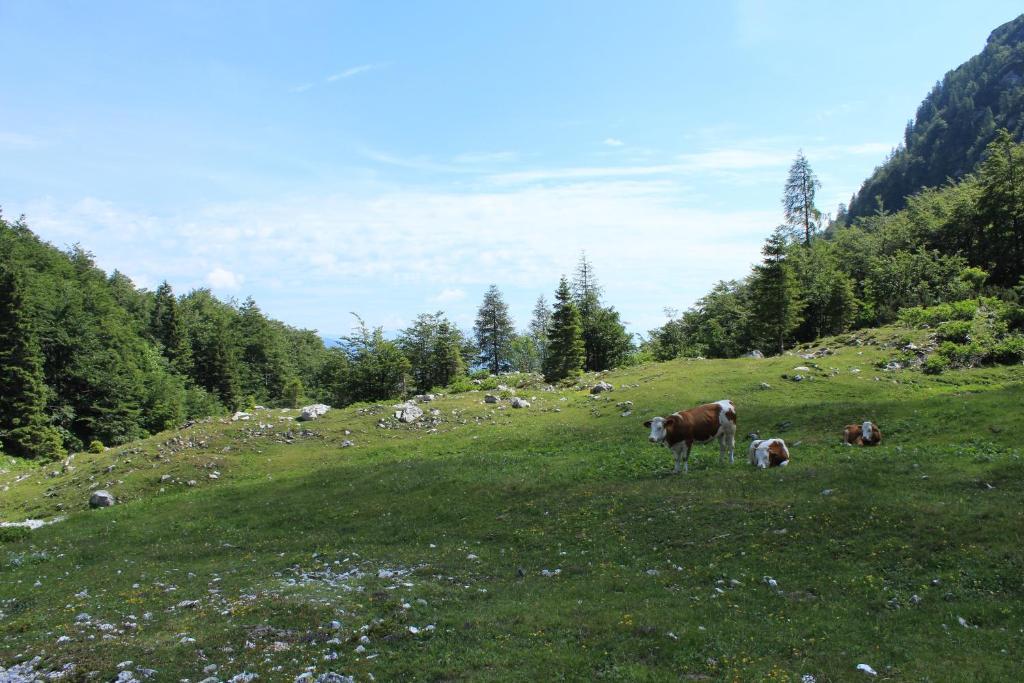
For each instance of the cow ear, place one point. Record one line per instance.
(647, 424)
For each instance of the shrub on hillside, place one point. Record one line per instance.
(96, 446)
(958, 331)
(935, 365)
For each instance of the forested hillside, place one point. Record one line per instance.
(954, 124)
(86, 357)
(960, 246)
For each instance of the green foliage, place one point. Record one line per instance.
(953, 125)
(24, 426)
(494, 330)
(377, 369)
(96, 446)
(293, 392)
(606, 343)
(775, 296)
(433, 345)
(935, 365)
(958, 331)
(565, 337)
(802, 216)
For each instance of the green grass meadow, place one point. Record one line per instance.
(549, 543)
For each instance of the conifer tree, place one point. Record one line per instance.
(605, 340)
(775, 295)
(538, 330)
(798, 198)
(168, 327)
(565, 337)
(24, 427)
(494, 330)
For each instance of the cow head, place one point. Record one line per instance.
(759, 455)
(657, 427)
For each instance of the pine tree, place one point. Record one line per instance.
(798, 198)
(167, 327)
(538, 330)
(565, 337)
(433, 345)
(775, 295)
(605, 340)
(494, 330)
(24, 427)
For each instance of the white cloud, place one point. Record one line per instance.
(613, 142)
(302, 88)
(353, 71)
(309, 260)
(448, 295)
(221, 278)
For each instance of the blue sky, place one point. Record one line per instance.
(394, 158)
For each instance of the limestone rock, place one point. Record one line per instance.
(312, 412)
(601, 387)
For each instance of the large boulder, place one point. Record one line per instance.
(601, 387)
(754, 354)
(240, 415)
(101, 499)
(520, 403)
(408, 412)
(312, 412)
(490, 398)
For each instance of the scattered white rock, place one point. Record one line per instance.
(408, 412)
(601, 387)
(520, 403)
(867, 669)
(312, 412)
(241, 415)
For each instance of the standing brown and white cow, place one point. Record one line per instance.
(680, 430)
(867, 434)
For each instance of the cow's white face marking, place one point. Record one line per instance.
(865, 431)
(658, 433)
(759, 453)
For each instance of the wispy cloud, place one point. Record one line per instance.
(354, 71)
(11, 140)
(613, 142)
(302, 88)
(395, 251)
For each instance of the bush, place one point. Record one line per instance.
(1007, 351)
(935, 365)
(460, 385)
(11, 534)
(96, 446)
(958, 331)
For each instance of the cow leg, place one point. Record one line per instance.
(677, 453)
(732, 446)
(686, 457)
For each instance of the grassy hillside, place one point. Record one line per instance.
(548, 543)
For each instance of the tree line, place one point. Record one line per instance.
(821, 276)
(88, 357)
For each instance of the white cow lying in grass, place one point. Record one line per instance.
(765, 453)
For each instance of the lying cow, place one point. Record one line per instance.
(765, 453)
(867, 434)
(680, 430)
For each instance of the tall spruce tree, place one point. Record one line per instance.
(565, 337)
(494, 331)
(775, 295)
(167, 327)
(24, 427)
(605, 340)
(538, 329)
(798, 199)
